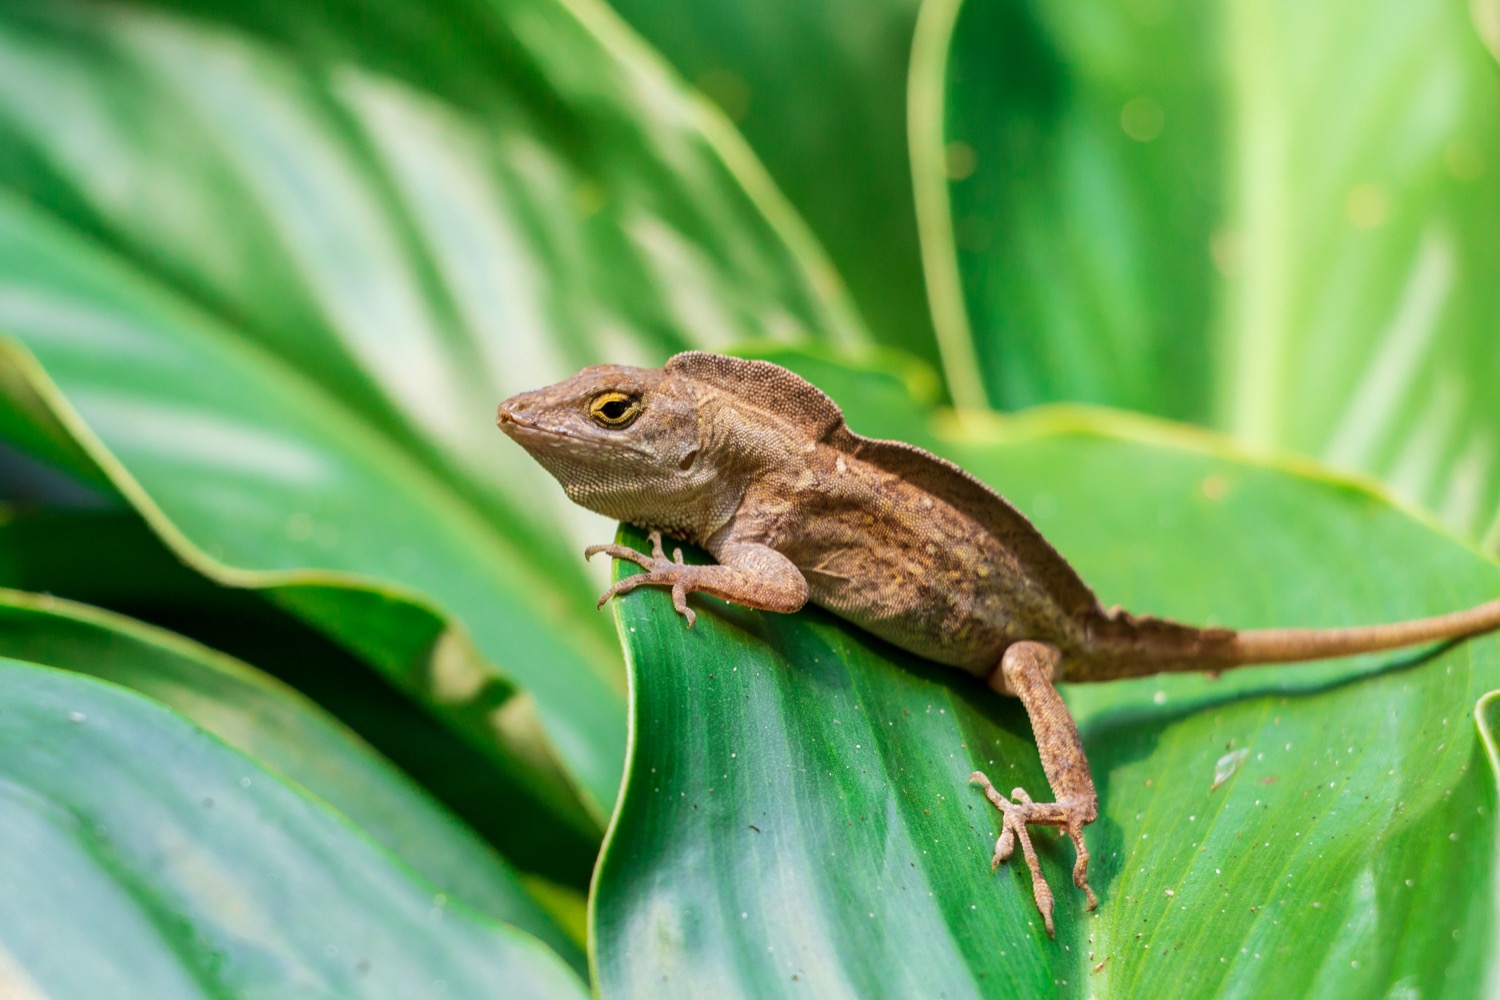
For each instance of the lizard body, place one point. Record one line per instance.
(757, 466)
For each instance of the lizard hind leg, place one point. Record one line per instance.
(1026, 671)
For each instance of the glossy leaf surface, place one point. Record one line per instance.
(283, 732)
(203, 874)
(273, 267)
(1275, 218)
(797, 821)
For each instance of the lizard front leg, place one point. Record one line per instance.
(748, 573)
(1026, 671)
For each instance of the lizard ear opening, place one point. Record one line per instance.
(688, 460)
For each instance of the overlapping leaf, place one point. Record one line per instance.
(796, 818)
(112, 559)
(283, 732)
(204, 875)
(1276, 218)
(272, 267)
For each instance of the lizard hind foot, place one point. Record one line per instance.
(1019, 812)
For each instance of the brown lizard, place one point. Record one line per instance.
(756, 465)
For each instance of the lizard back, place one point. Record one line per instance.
(956, 572)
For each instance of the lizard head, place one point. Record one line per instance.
(622, 441)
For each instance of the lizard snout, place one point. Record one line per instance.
(510, 418)
(512, 411)
(520, 415)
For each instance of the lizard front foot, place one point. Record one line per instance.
(1069, 817)
(660, 571)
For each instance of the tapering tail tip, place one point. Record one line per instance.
(1295, 645)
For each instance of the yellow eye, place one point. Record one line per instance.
(614, 409)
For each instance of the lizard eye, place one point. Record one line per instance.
(614, 410)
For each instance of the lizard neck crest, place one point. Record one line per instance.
(765, 386)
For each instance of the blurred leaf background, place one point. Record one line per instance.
(265, 269)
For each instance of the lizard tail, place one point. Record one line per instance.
(1128, 646)
(1291, 645)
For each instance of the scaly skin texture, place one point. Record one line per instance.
(756, 465)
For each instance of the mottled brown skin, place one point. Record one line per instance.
(756, 465)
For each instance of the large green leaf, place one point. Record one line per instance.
(796, 818)
(204, 875)
(283, 732)
(271, 268)
(1274, 217)
(111, 559)
(819, 91)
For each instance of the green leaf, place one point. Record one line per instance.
(819, 92)
(1272, 217)
(203, 874)
(112, 560)
(282, 732)
(271, 269)
(796, 817)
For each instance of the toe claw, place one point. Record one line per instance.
(1006, 845)
(619, 587)
(656, 551)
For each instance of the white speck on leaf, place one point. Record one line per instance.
(1228, 764)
